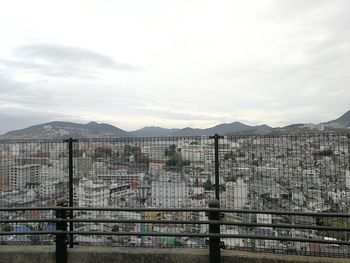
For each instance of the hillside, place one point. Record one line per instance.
(344, 119)
(61, 130)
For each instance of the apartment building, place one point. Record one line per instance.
(21, 175)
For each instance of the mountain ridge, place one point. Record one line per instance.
(153, 131)
(61, 130)
(343, 119)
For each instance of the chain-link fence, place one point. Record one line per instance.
(33, 173)
(279, 173)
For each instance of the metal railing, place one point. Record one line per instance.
(279, 193)
(213, 236)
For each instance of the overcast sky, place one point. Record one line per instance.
(136, 63)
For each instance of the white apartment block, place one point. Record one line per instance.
(92, 194)
(155, 151)
(21, 175)
(119, 190)
(52, 173)
(236, 194)
(155, 167)
(118, 176)
(192, 153)
(169, 194)
(347, 179)
(48, 188)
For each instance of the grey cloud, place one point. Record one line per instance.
(6, 63)
(8, 85)
(302, 91)
(16, 92)
(49, 70)
(67, 54)
(56, 70)
(49, 94)
(62, 61)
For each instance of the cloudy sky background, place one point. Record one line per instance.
(173, 63)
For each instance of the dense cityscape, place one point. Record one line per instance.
(309, 173)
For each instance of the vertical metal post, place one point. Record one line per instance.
(70, 186)
(61, 239)
(143, 195)
(216, 138)
(142, 225)
(214, 242)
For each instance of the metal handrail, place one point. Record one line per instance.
(160, 209)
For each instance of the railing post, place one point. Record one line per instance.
(214, 242)
(70, 185)
(216, 138)
(61, 239)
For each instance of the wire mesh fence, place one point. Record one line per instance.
(32, 174)
(304, 172)
(144, 172)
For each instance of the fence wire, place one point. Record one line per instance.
(144, 172)
(32, 174)
(304, 172)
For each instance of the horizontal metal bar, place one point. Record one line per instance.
(295, 239)
(275, 212)
(105, 209)
(138, 209)
(131, 221)
(100, 233)
(41, 208)
(30, 233)
(177, 222)
(235, 236)
(145, 139)
(311, 227)
(30, 220)
(207, 222)
(136, 221)
(165, 234)
(284, 135)
(156, 209)
(8, 141)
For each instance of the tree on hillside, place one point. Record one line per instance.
(7, 228)
(175, 160)
(208, 185)
(136, 153)
(103, 152)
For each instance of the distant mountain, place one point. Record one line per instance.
(61, 130)
(153, 132)
(262, 128)
(229, 128)
(344, 119)
(223, 129)
(188, 132)
(57, 129)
